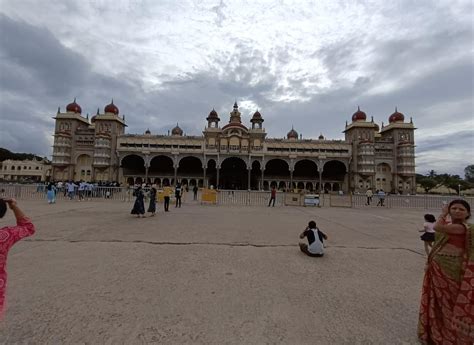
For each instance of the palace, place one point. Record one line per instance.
(235, 156)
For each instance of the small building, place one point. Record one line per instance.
(25, 170)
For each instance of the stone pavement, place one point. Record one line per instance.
(94, 274)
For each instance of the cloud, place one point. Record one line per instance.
(304, 64)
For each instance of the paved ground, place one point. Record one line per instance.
(93, 274)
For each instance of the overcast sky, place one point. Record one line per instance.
(306, 64)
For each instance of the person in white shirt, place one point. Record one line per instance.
(428, 236)
(316, 237)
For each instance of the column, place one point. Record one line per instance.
(291, 179)
(249, 172)
(218, 168)
(146, 173)
(175, 174)
(204, 184)
(263, 176)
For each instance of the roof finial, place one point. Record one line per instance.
(74, 99)
(59, 110)
(358, 108)
(382, 124)
(87, 116)
(396, 110)
(97, 111)
(112, 101)
(372, 119)
(123, 117)
(411, 119)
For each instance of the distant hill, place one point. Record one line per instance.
(6, 154)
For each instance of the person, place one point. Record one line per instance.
(446, 308)
(177, 194)
(272, 197)
(9, 235)
(316, 237)
(195, 191)
(139, 205)
(381, 195)
(428, 236)
(166, 198)
(51, 193)
(369, 194)
(152, 205)
(71, 187)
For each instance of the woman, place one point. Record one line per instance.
(51, 193)
(152, 205)
(447, 301)
(139, 206)
(9, 235)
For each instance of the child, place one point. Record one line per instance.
(429, 233)
(316, 237)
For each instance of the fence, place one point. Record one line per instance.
(233, 197)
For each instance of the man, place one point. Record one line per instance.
(9, 235)
(369, 194)
(272, 196)
(381, 195)
(316, 238)
(195, 191)
(177, 194)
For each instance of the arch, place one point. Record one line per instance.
(255, 175)
(273, 184)
(185, 158)
(282, 185)
(309, 186)
(277, 168)
(265, 185)
(166, 182)
(161, 165)
(233, 173)
(211, 173)
(336, 187)
(306, 168)
(383, 177)
(83, 168)
(300, 185)
(334, 170)
(190, 166)
(130, 181)
(133, 165)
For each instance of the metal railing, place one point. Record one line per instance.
(231, 197)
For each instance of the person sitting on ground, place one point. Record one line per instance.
(316, 237)
(9, 235)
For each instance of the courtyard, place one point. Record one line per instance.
(93, 274)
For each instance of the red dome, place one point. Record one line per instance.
(73, 107)
(111, 108)
(213, 115)
(292, 134)
(396, 117)
(359, 115)
(177, 130)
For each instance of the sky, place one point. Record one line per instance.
(306, 64)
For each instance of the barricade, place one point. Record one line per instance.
(208, 196)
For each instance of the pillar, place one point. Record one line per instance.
(217, 177)
(248, 185)
(263, 176)
(204, 183)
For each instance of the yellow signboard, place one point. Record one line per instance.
(209, 196)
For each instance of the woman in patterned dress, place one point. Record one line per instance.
(447, 301)
(139, 205)
(9, 235)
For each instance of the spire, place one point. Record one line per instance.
(59, 110)
(123, 117)
(382, 124)
(235, 105)
(87, 116)
(411, 119)
(74, 99)
(358, 108)
(97, 111)
(112, 101)
(372, 119)
(396, 109)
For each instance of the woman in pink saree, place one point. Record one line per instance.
(447, 300)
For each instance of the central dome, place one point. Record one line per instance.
(292, 134)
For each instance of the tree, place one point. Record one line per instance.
(469, 173)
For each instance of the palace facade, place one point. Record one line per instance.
(235, 156)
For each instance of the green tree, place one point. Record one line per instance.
(469, 173)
